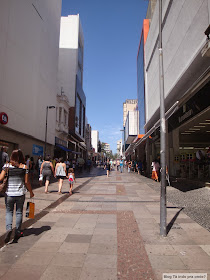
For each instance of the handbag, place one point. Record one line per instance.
(40, 177)
(4, 184)
(30, 210)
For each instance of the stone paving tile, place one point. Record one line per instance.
(85, 225)
(104, 249)
(192, 256)
(107, 218)
(106, 239)
(4, 268)
(54, 272)
(78, 238)
(81, 231)
(67, 259)
(160, 250)
(74, 248)
(21, 272)
(106, 226)
(166, 262)
(103, 231)
(91, 273)
(46, 247)
(179, 236)
(57, 234)
(206, 248)
(100, 261)
(35, 258)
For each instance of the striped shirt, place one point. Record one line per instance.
(16, 180)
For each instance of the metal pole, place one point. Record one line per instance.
(162, 132)
(45, 143)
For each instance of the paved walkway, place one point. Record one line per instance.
(108, 229)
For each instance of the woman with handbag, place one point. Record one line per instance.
(46, 171)
(17, 185)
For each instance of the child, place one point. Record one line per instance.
(71, 178)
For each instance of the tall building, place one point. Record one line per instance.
(95, 139)
(70, 79)
(119, 148)
(29, 52)
(128, 105)
(107, 148)
(186, 51)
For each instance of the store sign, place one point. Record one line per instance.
(37, 150)
(3, 118)
(61, 142)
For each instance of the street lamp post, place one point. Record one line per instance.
(45, 143)
(162, 132)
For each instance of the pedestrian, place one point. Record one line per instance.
(4, 158)
(60, 173)
(46, 171)
(32, 169)
(121, 165)
(18, 184)
(118, 165)
(67, 162)
(139, 167)
(129, 167)
(28, 161)
(155, 170)
(107, 166)
(72, 180)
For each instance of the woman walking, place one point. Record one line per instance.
(60, 173)
(46, 170)
(18, 183)
(107, 167)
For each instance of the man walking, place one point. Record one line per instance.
(121, 165)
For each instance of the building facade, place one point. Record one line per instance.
(128, 105)
(186, 87)
(28, 74)
(70, 79)
(95, 140)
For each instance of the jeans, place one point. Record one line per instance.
(10, 202)
(121, 169)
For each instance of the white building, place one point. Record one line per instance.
(119, 148)
(95, 139)
(28, 73)
(70, 79)
(128, 105)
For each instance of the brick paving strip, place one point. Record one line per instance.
(133, 262)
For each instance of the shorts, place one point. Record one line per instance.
(47, 177)
(61, 177)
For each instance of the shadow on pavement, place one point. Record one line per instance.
(171, 224)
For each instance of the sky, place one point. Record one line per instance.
(112, 30)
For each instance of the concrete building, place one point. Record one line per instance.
(70, 79)
(119, 148)
(131, 131)
(107, 148)
(186, 85)
(29, 52)
(128, 105)
(95, 139)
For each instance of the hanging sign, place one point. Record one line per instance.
(3, 118)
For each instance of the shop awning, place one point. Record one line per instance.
(67, 150)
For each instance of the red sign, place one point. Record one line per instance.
(3, 118)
